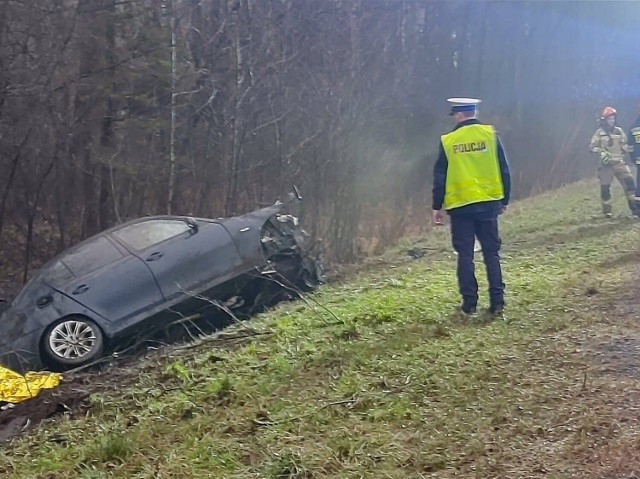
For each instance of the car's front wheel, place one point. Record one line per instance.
(72, 342)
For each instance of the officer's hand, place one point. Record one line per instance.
(605, 157)
(438, 217)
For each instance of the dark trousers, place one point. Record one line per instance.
(464, 230)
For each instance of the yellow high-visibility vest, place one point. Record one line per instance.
(473, 172)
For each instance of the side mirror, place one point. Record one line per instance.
(192, 224)
(295, 194)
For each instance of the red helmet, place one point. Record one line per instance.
(608, 111)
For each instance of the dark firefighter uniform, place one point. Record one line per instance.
(472, 182)
(634, 151)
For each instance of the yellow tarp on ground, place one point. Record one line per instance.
(16, 387)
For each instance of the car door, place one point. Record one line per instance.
(186, 256)
(109, 280)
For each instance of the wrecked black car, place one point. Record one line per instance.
(151, 272)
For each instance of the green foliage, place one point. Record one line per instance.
(109, 449)
(221, 387)
(178, 370)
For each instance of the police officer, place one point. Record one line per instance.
(634, 152)
(471, 181)
(609, 142)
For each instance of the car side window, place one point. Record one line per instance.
(92, 256)
(57, 273)
(142, 235)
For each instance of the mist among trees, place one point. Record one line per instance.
(114, 109)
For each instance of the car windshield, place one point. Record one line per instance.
(142, 235)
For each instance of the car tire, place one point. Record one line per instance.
(72, 341)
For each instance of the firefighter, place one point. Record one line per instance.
(634, 152)
(471, 181)
(609, 142)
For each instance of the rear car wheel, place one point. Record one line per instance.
(72, 342)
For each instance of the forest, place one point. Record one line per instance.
(114, 109)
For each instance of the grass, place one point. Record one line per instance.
(375, 377)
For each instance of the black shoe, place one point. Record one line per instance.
(466, 310)
(496, 310)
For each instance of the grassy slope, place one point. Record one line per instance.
(381, 380)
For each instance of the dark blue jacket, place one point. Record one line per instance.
(634, 141)
(479, 210)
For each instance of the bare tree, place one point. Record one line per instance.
(111, 110)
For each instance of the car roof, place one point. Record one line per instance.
(259, 213)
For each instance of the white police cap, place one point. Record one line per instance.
(463, 104)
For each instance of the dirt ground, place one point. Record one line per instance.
(71, 396)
